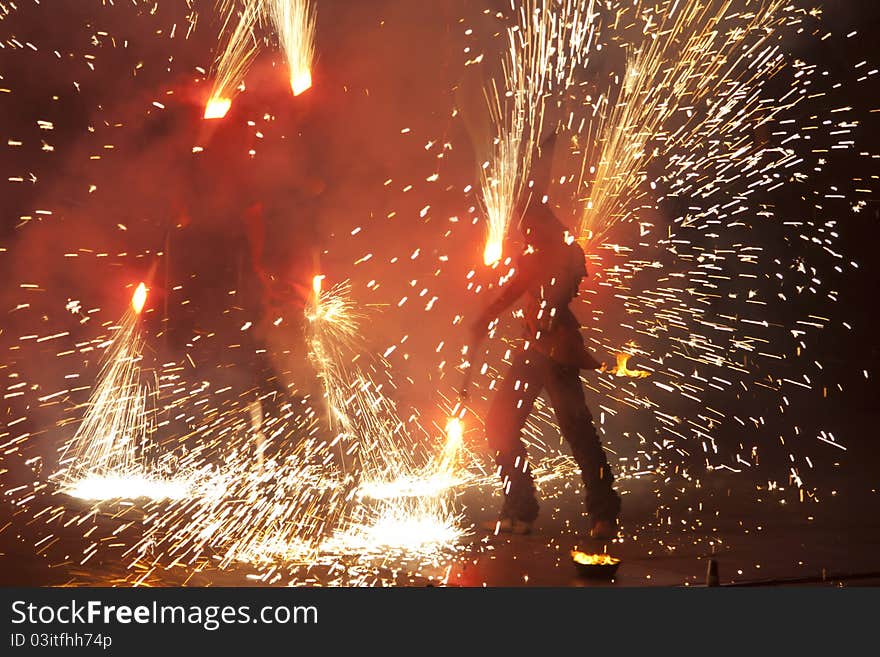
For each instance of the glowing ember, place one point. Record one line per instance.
(217, 108)
(139, 298)
(593, 559)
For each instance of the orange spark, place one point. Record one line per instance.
(139, 298)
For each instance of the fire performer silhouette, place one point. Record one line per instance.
(246, 237)
(548, 273)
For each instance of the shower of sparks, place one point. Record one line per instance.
(107, 457)
(545, 51)
(411, 527)
(111, 487)
(501, 178)
(690, 97)
(294, 22)
(685, 120)
(305, 505)
(699, 116)
(233, 62)
(401, 505)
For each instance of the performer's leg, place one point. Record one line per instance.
(508, 414)
(576, 424)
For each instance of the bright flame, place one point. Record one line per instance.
(217, 108)
(447, 470)
(454, 431)
(622, 370)
(139, 298)
(294, 22)
(492, 252)
(236, 56)
(316, 285)
(593, 559)
(300, 82)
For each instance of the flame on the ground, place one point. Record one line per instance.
(217, 108)
(139, 298)
(593, 559)
(621, 369)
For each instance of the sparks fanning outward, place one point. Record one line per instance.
(234, 60)
(294, 22)
(698, 106)
(545, 50)
(501, 177)
(107, 457)
(691, 79)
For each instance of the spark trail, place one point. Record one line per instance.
(294, 22)
(106, 458)
(233, 62)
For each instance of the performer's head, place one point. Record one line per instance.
(540, 226)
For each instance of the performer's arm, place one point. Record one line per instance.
(522, 278)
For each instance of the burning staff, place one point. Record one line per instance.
(549, 274)
(294, 22)
(104, 459)
(235, 59)
(549, 44)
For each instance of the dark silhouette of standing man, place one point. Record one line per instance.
(548, 274)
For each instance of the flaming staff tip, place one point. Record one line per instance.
(139, 298)
(316, 284)
(217, 108)
(492, 252)
(301, 82)
(454, 430)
